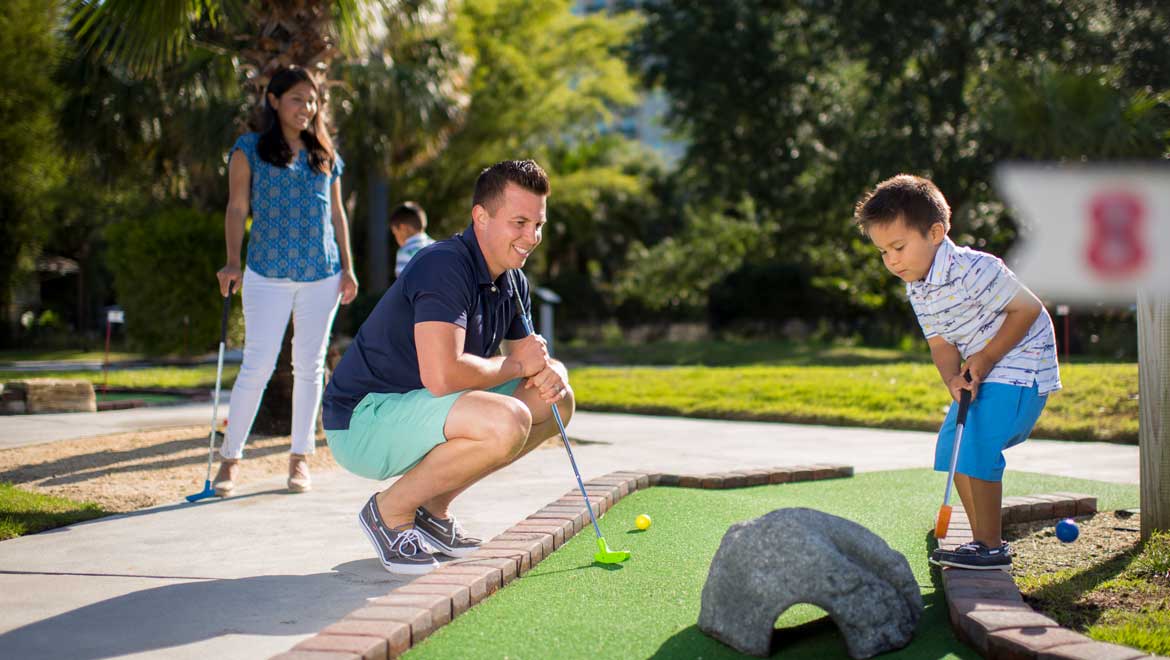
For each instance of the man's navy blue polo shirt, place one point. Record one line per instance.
(447, 281)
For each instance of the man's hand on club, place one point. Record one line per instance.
(531, 353)
(552, 384)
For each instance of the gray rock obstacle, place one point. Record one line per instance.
(789, 556)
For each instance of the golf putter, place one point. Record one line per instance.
(943, 521)
(208, 491)
(604, 554)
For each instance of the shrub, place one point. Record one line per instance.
(164, 272)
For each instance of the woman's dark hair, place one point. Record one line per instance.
(272, 146)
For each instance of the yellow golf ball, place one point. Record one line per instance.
(642, 522)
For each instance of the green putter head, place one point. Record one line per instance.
(606, 556)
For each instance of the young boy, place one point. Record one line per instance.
(978, 321)
(408, 223)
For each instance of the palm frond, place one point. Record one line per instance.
(142, 35)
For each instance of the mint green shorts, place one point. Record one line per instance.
(390, 433)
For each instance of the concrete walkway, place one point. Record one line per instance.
(252, 575)
(21, 430)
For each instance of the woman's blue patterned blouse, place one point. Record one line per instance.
(292, 217)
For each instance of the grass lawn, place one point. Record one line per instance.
(1145, 572)
(726, 353)
(165, 377)
(848, 388)
(21, 354)
(567, 607)
(22, 512)
(149, 398)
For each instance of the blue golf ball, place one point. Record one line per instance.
(1067, 530)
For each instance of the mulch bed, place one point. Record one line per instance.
(1106, 545)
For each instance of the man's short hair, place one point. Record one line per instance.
(409, 213)
(489, 187)
(915, 199)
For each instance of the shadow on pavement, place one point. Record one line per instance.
(177, 614)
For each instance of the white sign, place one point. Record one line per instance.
(1090, 233)
(115, 316)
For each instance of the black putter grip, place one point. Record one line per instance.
(964, 401)
(520, 310)
(227, 309)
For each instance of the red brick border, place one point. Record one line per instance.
(987, 610)
(388, 626)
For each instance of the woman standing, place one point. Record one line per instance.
(298, 265)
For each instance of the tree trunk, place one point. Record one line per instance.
(1154, 410)
(377, 233)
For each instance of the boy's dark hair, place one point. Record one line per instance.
(411, 214)
(489, 187)
(916, 200)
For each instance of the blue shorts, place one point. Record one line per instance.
(390, 433)
(1001, 416)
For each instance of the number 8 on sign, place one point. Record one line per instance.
(1116, 226)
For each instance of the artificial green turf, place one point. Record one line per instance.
(568, 607)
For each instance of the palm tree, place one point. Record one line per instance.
(146, 35)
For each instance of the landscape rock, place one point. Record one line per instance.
(789, 556)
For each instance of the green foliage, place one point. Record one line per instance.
(160, 138)
(145, 36)
(28, 135)
(142, 35)
(164, 269)
(402, 102)
(677, 272)
(1049, 114)
(541, 75)
(803, 106)
(602, 206)
(1154, 560)
(23, 512)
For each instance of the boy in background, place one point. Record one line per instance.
(408, 223)
(981, 322)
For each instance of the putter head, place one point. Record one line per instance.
(208, 491)
(942, 522)
(606, 556)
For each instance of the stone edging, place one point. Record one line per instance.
(987, 610)
(388, 626)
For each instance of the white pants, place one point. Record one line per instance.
(268, 303)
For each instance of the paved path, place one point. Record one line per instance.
(252, 575)
(21, 430)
